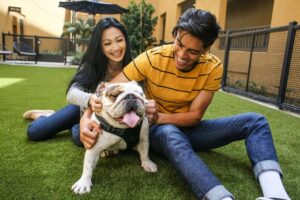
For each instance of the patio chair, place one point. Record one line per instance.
(4, 52)
(24, 50)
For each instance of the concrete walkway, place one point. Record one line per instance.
(39, 64)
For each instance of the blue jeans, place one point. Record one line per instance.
(179, 145)
(44, 128)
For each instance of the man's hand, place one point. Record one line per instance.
(89, 130)
(152, 111)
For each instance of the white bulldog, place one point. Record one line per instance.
(123, 124)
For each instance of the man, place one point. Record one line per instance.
(181, 79)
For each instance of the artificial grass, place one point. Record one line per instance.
(48, 169)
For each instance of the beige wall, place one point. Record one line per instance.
(170, 7)
(249, 13)
(285, 11)
(172, 10)
(41, 17)
(217, 7)
(45, 18)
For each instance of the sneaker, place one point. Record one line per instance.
(34, 114)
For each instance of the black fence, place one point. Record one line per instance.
(264, 64)
(244, 42)
(47, 49)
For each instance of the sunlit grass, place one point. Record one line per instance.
(4, 82)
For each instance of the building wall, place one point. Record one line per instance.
(172, 9)
(285, 11)
(43, 18)
(47, 19)
(248, 13)
(262, 13)
(217, 7)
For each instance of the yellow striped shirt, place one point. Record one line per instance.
(173, 89)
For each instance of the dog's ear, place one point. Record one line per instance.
(100, 88)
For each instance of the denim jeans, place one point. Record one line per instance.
(179, 145)
(45, 128)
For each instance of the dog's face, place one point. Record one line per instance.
(123, 103)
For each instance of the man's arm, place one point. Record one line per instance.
(193, 116)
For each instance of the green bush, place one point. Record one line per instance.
(140, 25)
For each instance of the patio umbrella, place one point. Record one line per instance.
(93, 7)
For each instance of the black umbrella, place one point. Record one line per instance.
(93, 7)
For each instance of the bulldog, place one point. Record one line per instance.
(124, 125)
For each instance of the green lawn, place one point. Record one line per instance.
(47, 170)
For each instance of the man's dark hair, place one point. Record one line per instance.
(201, 24)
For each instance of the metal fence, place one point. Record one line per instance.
(243, 42)
(48, 49)
(266, 67)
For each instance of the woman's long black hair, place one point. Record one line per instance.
(93, 66)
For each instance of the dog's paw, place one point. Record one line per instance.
(149, 166)
(82, 186)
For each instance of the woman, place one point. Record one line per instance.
(106, 55)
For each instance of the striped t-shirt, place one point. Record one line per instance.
(173, 89)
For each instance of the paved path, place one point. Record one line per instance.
(39, 64)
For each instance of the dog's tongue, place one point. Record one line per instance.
(131, 119)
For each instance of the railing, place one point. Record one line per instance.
(266, 67)
(49, 49)
(244, 42)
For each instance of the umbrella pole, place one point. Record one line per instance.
(73, 16)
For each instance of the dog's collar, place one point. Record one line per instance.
(129, 135)
(109, 128)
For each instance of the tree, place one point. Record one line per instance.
(139, 25)
(80, 31)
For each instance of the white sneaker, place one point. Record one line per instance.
(33, 114)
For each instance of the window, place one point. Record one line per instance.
(21, 27)
(186, 5)
(163, 27)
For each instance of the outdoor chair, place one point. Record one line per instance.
(4, 51)
(24, 50)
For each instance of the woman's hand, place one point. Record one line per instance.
(152, 111)
(95, 103)
(89, 130)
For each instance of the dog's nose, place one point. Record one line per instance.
(131, 103)
(130, 97)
